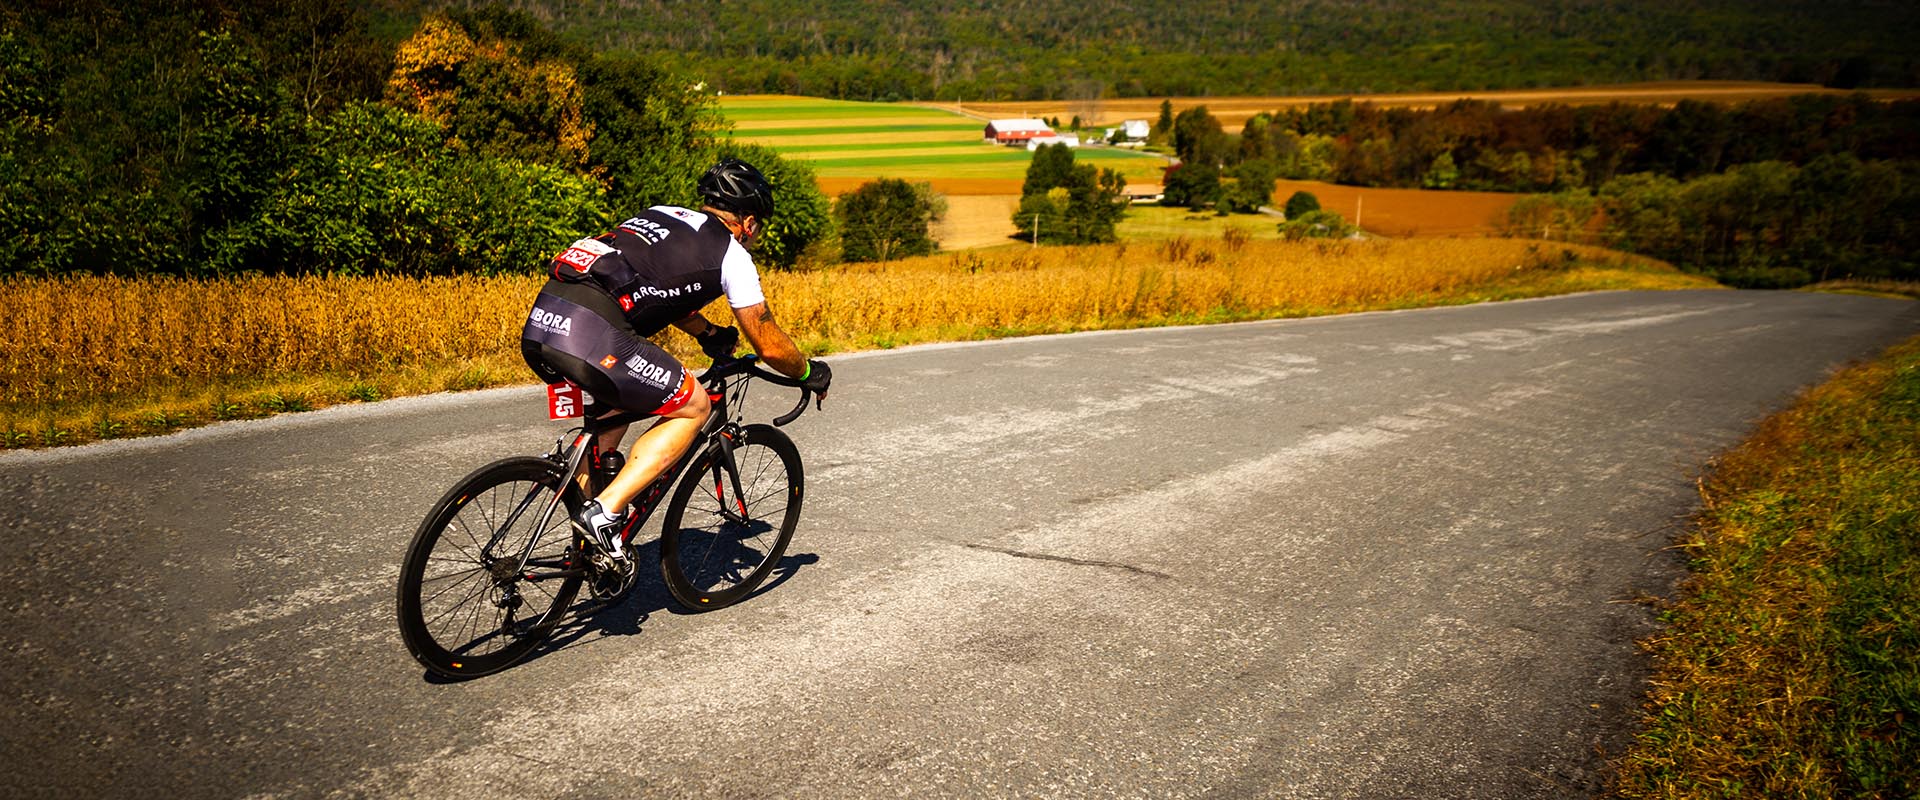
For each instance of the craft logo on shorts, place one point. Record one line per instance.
(626, 302)
(550, 322)
(608, 362)
(648, 371)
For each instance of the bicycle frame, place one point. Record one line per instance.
(726, 386)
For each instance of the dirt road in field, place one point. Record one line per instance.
(1384, 555)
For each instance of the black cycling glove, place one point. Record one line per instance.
(719, 341)
(819, 377)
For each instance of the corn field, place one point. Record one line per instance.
(93, 342)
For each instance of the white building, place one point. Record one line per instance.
(1131, 133)
(1068, 139)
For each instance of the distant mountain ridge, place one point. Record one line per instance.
(1050, 49)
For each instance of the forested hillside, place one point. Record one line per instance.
(206, 137)
(985, 49)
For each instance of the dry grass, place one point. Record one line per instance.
(104, 357)
(107, 356)
(1019, 291)
(1791, 667)
(1909, 290)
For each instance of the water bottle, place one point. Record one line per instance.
(609, 466)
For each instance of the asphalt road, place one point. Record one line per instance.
(1384, 555)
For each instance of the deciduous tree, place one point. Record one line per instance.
(885, 219)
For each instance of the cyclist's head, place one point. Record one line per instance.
(735, 186)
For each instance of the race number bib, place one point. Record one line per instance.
(583, 253)
(565, 400)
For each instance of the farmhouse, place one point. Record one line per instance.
(1068, 139)
(1131, 133)
(1016, 131)
(1143, 192)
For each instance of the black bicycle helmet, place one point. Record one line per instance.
(734, 185)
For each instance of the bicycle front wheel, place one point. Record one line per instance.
(718, 544)
(486, 578)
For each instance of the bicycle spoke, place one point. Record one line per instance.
(466, 608)
(425, 599)
(465, 603)
(473, 552)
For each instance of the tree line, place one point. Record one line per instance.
(1766, 193)
(1766, 224)
(1054, 49)
(251, 136)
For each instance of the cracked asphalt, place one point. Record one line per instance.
(1386, 555)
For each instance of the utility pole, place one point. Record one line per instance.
(1036, 229)
(1359, 205)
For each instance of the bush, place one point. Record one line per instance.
(374, 191)
(801, 214)
(1316, 224)
(1301, 203)
(1193, 185)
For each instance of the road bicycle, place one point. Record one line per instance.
(497, 563)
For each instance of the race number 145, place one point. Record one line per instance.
(564, 401)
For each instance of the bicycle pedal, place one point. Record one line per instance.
(611, 576)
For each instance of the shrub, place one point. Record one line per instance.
(1301, 203)
(1316, 224)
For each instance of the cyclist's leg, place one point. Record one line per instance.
(659, 446)
(595, 348)
(554, 365)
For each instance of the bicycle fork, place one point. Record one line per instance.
(723, 463)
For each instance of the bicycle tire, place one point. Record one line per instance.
(709, 561)
(455, 610)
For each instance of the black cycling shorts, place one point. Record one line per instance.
(564, 340)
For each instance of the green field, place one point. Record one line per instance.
(1148, 221)
(844, 139)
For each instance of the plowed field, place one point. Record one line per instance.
(1407, 212)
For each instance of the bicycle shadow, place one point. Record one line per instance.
(596, 620)
(592, 620)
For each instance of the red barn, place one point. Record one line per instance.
(1016, 131)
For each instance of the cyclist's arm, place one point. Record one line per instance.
(695, 324)
(772, 343)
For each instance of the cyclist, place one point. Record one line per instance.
(590, 323)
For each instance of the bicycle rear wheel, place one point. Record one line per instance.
(717, 547)
(467, 607)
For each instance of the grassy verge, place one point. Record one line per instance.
(1791, 665)
(1899, 289)
(112, 357)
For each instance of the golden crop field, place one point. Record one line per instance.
(1236, 110)
(103, 357)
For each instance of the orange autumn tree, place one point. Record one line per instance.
(506, 93)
